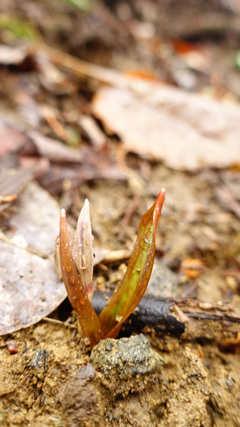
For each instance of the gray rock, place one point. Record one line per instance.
(125, 358)
(163, 282)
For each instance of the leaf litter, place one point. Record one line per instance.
(30, 289)
(186, 131)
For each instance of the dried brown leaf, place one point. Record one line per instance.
(187, 131)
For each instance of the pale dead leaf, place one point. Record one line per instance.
(29, 285)
(29, 288)
(12, 138)
(35, 222)
(186, 131)
(16, 138)
(53, 149)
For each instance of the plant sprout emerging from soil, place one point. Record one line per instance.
(77, 271)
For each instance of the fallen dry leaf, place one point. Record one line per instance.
(186, 131)
(18, 139)
(95, 164)
(53, 149)
(29, 288)
(53, 163)
(12, 138)
(29, 285)
(34, 223)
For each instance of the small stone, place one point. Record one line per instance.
(38, 363)
(125, 362)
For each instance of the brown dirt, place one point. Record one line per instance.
(41, 385)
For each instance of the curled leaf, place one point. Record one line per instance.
(82, 249)
(130, 291)
(76, 293)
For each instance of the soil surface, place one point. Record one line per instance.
(49, 376)
(50, 381)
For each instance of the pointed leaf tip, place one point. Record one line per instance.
(127, 296)
(158, 208)
(86, 203)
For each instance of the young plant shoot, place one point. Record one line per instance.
(77, 271)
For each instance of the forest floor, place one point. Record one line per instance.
(156, 104)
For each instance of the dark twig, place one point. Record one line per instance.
(161, 313)
(150, 311)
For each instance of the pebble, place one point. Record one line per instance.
(126, 358)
